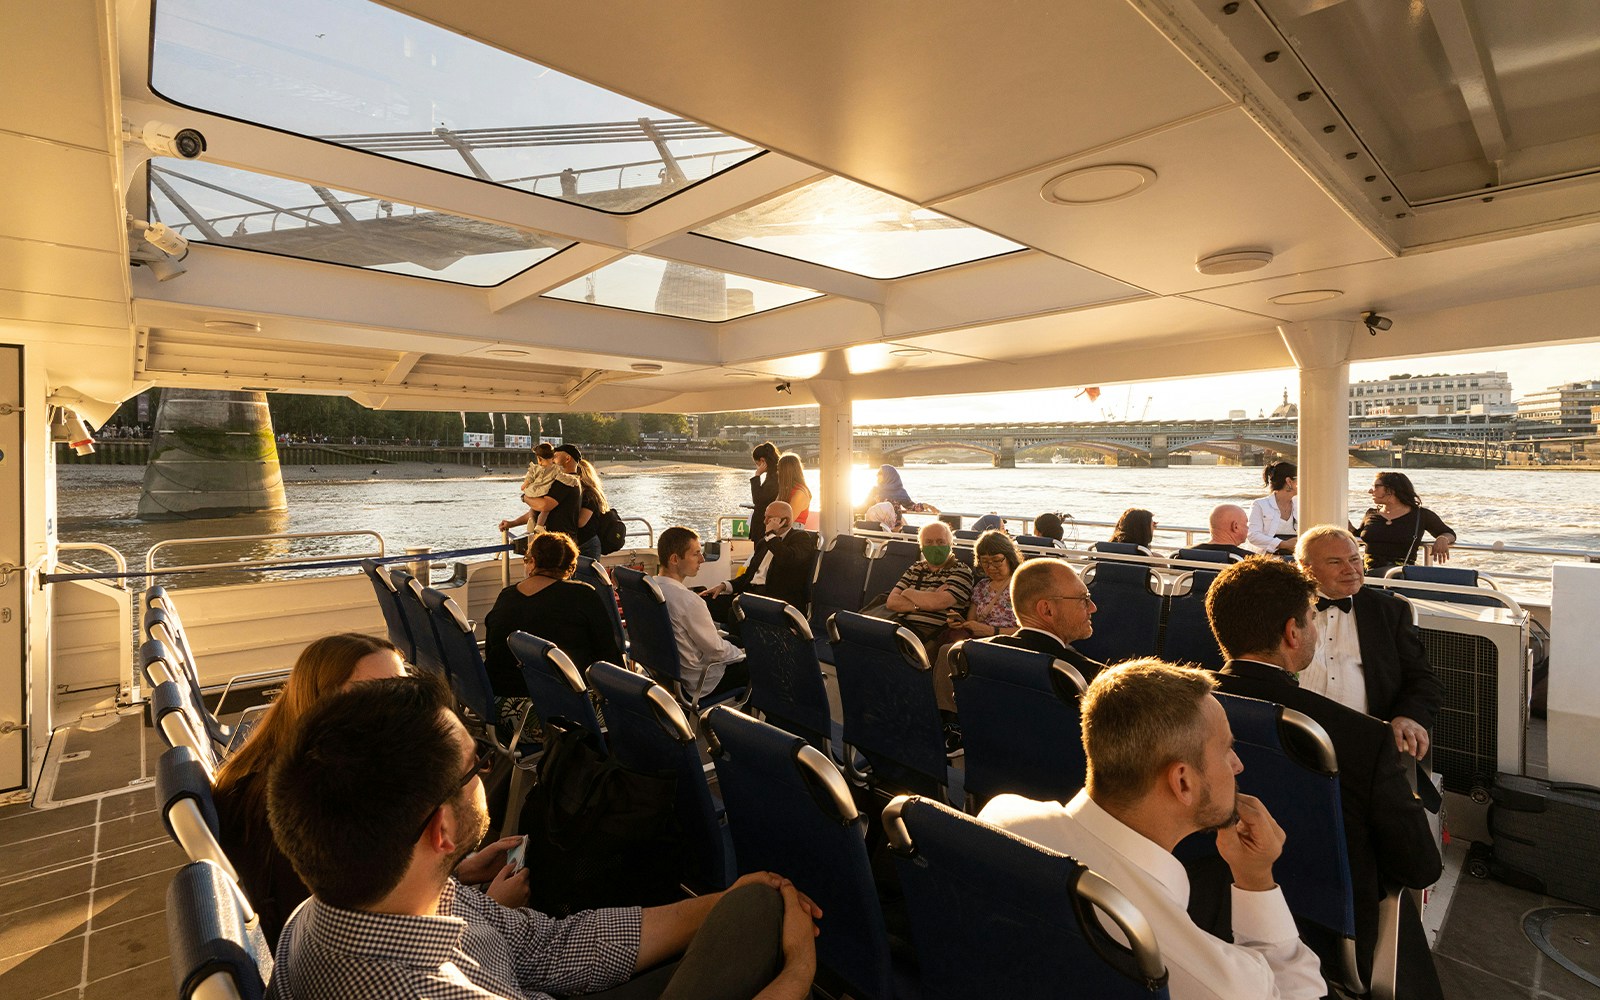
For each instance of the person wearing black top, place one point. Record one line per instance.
(764, 484)
(1392, 530)
(1054, 609)
(591, 499)
(551, 606)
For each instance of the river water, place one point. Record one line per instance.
(445, 511)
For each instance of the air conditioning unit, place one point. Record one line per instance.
(1481, 654)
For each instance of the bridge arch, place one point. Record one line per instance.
(899, 455)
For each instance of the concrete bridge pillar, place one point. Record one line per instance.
(1158, 451)
(1321, 351)
(1007, 459)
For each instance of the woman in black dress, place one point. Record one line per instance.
(551, 606)
(764, 484)
(1392, 530)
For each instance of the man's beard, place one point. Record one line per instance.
(1206, 813)
(474, 826)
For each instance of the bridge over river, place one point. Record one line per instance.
(1151, 442)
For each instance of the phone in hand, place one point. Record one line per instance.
(516, 857)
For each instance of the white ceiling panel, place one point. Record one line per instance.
(56, 47)
(1221, 184)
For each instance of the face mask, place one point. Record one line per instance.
(936, 554)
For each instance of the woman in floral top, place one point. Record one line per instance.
(989, 612)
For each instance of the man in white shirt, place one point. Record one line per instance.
(1370, 655)
(1162, 766)
(710, 664)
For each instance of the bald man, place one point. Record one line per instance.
(1230, 525)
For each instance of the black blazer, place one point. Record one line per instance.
(1385, 826)
(1399, 680)
(762, 492)
(789, 577)
(1043, 642)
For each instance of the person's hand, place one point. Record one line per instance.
(481, 865)
(711, 592)
(504, 525)
(1251, 845)
(1409, 736)
(510, 890)
(776, 881)
(1441, 548)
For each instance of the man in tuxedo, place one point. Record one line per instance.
(1054, 608)
(1262, 615)
(1370, 655)
(780, 567)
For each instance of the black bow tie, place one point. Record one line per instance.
(1342, 603)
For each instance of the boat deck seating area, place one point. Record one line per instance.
(796, 785)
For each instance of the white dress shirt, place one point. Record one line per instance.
(1335, 672)
(1267, 522)
(703, 653)
(758, 574)
(1267, 959)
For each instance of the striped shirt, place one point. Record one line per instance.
(954, 574)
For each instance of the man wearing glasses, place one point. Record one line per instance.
(1054, 609)
(779, 568)
(375, 800)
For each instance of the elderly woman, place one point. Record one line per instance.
(328, 665)
(549, 604)
(988, 614)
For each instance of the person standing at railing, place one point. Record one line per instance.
(1392, 529)
(792, 488)
(592, 500)
(764, 484)
(1275, 518)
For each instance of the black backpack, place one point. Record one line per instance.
(611, 530)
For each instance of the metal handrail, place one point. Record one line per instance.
(117, 557)
(725, 518)
(150, 556)
(650, 530)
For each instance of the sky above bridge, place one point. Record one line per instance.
(1530, 369)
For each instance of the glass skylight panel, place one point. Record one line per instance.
(209, 203)
(843, 225)
(364, 76)
(648, 284)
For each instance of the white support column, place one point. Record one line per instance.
(837, 457)
(1321, 351)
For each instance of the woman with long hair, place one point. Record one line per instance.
(792, 486)
(592, 500)
(764, 484)
(1136, 526)
(1392, 528)
(327, 665)
(1275, 518)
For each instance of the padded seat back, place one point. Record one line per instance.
(171, 714)
(1038, 541)
(160, 663)
(785, 677)
(595, 574)
(217, 950)
(1205, 555)
(1119, 549)
(886, 569)
(424, 639)
(1019, 721)
(1446, 575)
(648, 731)
(988, 908)
(791, 811)
(1127, 618)
(1188, 637)
(463, 662)
(555, 684)
(841, 578)
(394, 617)
(651, 642)
(890, 712)
(183, 788)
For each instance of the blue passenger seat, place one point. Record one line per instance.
(555, 684)
(424, 639)
(217, 949)
(595, 574)
(394, 617)
(652, 642)
(785, 676)
(887, 567)
(841, 578)
(183, 790)
(995, 915)
(1451, 575)
(1019, 722)
(1127, 622)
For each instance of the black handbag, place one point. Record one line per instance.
(599, 833)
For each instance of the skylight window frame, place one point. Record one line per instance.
(150, 84)
(819, 295)
(149, 198)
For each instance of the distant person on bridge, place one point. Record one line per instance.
(1275, 518)
(1230, 526)
(1392, 529)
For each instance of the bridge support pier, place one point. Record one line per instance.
(1321, 350)
(1007, 458)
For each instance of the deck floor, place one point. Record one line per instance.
(83, 890)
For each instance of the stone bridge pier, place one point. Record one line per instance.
(1158, 451)
(1007, 458)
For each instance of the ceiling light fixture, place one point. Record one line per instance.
(232, 326)
(1233, 261)
(506, 352)
(645, 366)
(741, 374)
(1097, 185)
(910, 352)
(1306, 297)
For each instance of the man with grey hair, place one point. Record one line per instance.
(1162, 766)
(934, 585)
(1370, 656)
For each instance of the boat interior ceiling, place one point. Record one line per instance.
(430, 204)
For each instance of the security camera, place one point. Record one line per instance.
(1374, 322)
(784, 388)
(163, 139)
(160, 236)
(164, 268)
(69, 427)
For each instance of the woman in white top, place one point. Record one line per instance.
(1275, 518)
